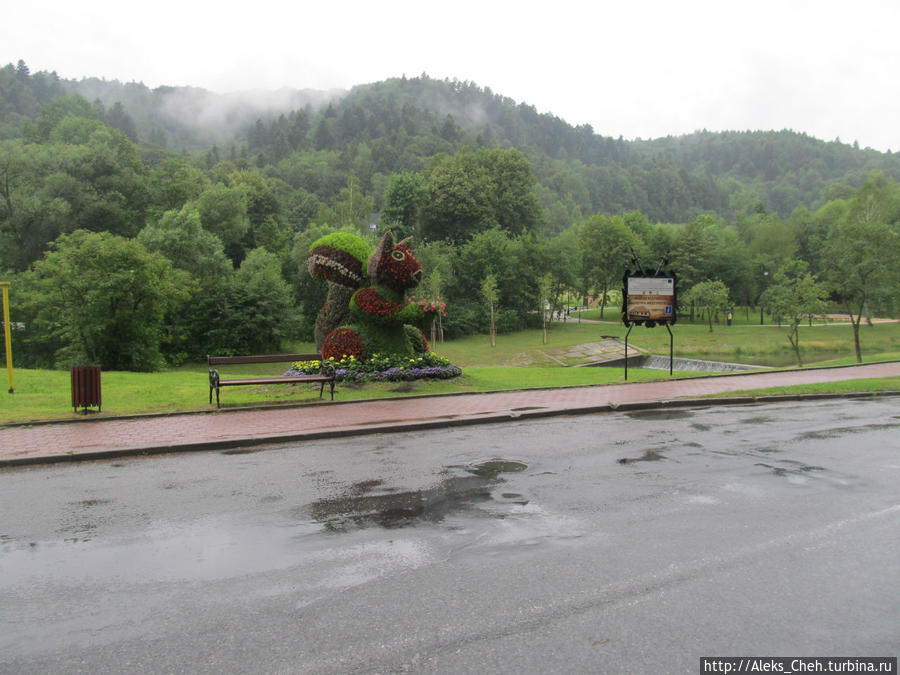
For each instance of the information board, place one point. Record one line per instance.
(650, 299)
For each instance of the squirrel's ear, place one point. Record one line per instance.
(404, 242)
(385, 245)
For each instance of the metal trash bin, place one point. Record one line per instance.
(86, 387)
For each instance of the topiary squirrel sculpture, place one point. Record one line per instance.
(359, 320)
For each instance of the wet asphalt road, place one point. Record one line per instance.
(629, 542)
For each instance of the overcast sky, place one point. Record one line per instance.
(632, 68)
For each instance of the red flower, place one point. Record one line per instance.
(371, 302)
(343, 342)
(398, 269)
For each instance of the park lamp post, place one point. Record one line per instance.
(7, 335)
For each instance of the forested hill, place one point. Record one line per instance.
(142, 227)
(669, 179)
(380, 129)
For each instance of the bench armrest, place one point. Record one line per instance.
(327, 368)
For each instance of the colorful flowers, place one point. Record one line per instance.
(343, 342)
(436, 306)
(398, 269)
(392, 368)
(372, 303)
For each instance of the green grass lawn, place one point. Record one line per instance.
(739, 344)
(45, 394)
(749, 343)
(741, 316)
(518, 361)
(875, 384)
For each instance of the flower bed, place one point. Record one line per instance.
(382, 368)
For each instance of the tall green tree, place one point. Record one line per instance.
(512, 261)
(458, 203)
(403, 200)
(794, 295)
(172, 183)
(471, 192)
(693, 250)
(711, 297)
(774, 242)
(180, 237)
(85, 175)
(353, 207)
(99, 298)
(269, 309)
(606, 245)
(560, 257)
(119, 118)
(863, 252)
(223, 212)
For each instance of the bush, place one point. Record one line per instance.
(99, 298)
(228, 320)
(464, 320)
(510, 321)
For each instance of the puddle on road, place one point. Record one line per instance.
(88, 503)
(362, 506)
(660, 414)
(836, 432)
(800, 473)
(244, 451)
(761, 419)
(476, 502)
(794, 468)
(495, 467)
(648, 456)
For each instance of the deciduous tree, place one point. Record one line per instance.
(403, 200)
(180, 237)
(863, 253)
(606, 245)
(793, 296)
(489, 297)
(710, 297)
(99, 298)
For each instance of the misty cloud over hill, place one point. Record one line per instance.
(193, 117)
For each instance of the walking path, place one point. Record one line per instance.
(94, 439)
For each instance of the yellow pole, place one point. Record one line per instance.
(6, 331)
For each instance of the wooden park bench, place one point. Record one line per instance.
(216, 381)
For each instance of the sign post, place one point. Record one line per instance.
(7, 334)
(649, 300)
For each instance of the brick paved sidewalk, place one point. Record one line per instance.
(222, 428)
